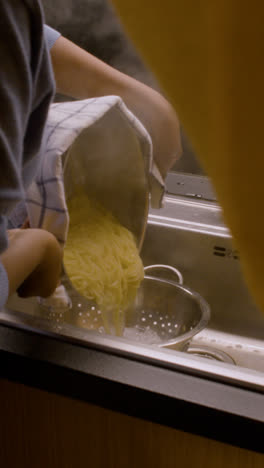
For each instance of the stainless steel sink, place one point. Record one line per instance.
(191, 236)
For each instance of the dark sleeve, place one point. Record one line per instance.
(15, 104)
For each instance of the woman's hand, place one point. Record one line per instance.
(33, 262)
(160, 120)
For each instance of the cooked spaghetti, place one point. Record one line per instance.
(101, 257)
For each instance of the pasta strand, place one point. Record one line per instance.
(101, 258)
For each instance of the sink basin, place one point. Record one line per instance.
(191, 236)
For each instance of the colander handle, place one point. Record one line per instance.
(166, 268)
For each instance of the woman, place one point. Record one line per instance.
(30, 259)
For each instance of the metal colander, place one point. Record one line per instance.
(165, 311)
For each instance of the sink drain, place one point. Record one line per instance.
(210, 353)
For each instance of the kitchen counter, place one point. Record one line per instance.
(189, 403)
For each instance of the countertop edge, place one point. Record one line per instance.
(124, 385)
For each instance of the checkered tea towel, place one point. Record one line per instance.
(45, 198)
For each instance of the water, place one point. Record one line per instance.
(145, 335)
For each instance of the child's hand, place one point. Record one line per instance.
(33, 262)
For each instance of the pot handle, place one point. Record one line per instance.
(167, 268)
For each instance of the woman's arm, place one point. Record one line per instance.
(81, 75)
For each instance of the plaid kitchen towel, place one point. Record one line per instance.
(45, 198)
